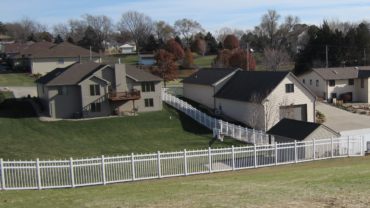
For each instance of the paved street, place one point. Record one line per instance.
(21, 91)
(341, 120)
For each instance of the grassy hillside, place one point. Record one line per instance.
(16, 79)
(23, 136)
(329, 183)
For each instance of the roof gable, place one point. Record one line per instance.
(208, 76)
(251, 86)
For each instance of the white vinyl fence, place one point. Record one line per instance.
(216, 125)
(17, 175)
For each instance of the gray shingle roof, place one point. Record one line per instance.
(207, 76)
(77, 72)
(140, 75)
(251, 86)
(342, 72)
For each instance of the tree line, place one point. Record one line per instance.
(273, 43)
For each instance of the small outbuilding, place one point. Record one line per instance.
(288, 130)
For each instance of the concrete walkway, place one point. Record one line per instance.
(341, 120)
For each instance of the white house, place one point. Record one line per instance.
(347, 83)
(202, 85)
(257, 99)
(127, 48)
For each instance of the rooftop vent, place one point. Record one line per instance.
(335, 72)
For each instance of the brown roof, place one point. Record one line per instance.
(74, 74)
(48, 50)
(140, 75)
(340, 72)
(14, 48)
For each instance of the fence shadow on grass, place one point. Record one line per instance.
(17, 108)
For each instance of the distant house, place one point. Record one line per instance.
(43, 57)
(146, 59)
(257, 99)
(127, 48)
(288, 130)
(347, 83)
(93, 90)
(202, 85)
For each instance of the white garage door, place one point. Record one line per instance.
(296, 112)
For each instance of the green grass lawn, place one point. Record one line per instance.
(328, 183)
(16, 79)
(204, 61)
(126, 59)
(25, 137)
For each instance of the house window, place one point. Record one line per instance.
(310, 81)
(304, 81)
(149, 102)
(60, 60)
(289, 88)
(147, 87)
(94, 90)
(351, 82)
(362, 83)
(317, 83)
(62, 90)
(95, 107)
(331, 83)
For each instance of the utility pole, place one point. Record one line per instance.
(364, 56)
(327, 56)
(248, 55)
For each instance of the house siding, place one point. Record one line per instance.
(64, 106)
(44, 65)
(278, 98)
(202, 94)
(321, 90)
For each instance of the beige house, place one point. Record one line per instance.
(89, 89)
(347, 83)
(43, 57)
(288, 130)
(202, 86)
(257, 99)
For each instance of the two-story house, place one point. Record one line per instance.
(347, 83)
(93, 90)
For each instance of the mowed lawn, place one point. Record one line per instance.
(16, 79)
(23, 136)
(328, 183)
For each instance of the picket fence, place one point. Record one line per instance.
(218, 126)
(18, 175)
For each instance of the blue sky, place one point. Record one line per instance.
(212, 14)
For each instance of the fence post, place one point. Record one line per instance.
(295, 151)
(314, 148)
(210, 159)
(276, 153)
(348, 147)
(255, 156)
(133, 166)
(103, 170)
(233, 156)
(71, 172)
(254, 136)
(2, 174)
(185, 163)
(38, 174)
(362, 153)
(332, 147)
(159, 164)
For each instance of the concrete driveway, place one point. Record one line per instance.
(341, 120)
(21, 91)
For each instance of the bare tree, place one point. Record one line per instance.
(275, 58)
(187, 28)
(164, 31)
(269, 25)
(77, 29)
(138, 25)
(25, 28)
(62, 30)
(102, 25)
(222, 33)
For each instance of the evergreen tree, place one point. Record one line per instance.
(58, 39)
(90, 40)
(211, 43)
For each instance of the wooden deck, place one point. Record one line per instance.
(122, 96)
